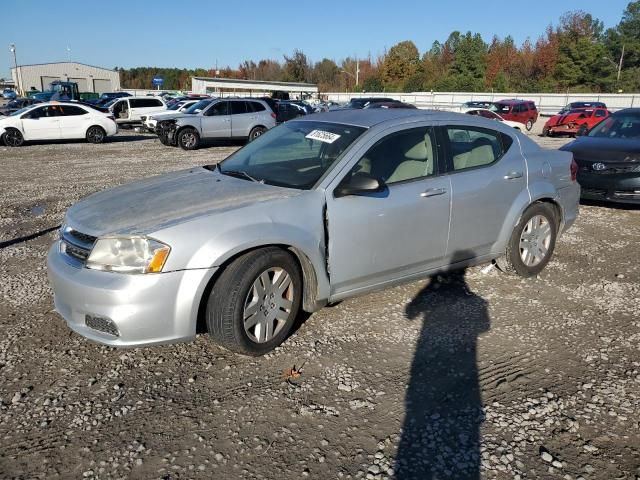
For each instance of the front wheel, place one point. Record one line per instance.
(255, 301)
(96, 134)
(188, 139)
(256, 132)
(13, 138)
(529, 125)
(582, 131)
(532, 242)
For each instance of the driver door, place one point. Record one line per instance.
(216, 121)
(376, 238)
(41, 123)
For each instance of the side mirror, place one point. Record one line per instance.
(359, 183)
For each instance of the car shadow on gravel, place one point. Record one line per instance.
(443, 404)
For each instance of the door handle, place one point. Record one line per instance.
(432, 192)
(512, 175)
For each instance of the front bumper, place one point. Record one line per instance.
(138, 310)
(563, 129)
(618, 188)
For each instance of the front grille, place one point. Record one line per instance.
(633, 194)
(101, 324)
(75, 246)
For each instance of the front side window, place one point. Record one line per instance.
(220, 108)
(475, 147)
(401, 156)
(294, 155)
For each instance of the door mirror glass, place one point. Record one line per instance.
(358, 184)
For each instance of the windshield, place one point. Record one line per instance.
(500, 108)
(618, 126)
(294, 155)
(175, 106)
(198, 107)
(110, 102)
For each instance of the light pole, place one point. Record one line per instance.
(12, 47)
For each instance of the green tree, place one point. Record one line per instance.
(401, 63)
(296, 67)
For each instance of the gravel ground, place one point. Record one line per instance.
(473, 375)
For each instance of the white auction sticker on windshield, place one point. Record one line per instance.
(322, 136)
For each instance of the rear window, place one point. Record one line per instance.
(255, 107)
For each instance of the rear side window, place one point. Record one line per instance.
(255, 107)
(471, 147)
(144, 102)
(238, 108)
(72, 111)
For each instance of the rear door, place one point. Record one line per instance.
(216, 121)
(74, 121)
(487, 172)
(241, 118)
(42, 123)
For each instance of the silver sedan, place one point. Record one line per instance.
(314, 211)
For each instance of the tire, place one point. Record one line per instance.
(188, 139)
(582, 130)
(95, 134)
(529, 125)
(256, 132)
(13, 138)
(545, 132)
(236, 301)
(524, 242)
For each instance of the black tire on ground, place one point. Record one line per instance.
(230, 295)
(545, 132)
(163, 139)
(512, 261)
(95, 134)
(529, 125)
(13, 137)
(256, 132)
(188, 139)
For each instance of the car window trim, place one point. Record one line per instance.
(448, 156)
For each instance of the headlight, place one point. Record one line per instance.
(128, 255)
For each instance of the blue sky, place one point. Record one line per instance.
(194, 33)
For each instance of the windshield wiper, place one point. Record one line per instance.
(239, 173)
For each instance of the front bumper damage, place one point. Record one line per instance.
(167, 131)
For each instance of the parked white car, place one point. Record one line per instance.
(491, 115)
(56, 121)
(130, 110)
(150, 122)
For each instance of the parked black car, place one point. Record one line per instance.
(608, 159)
(17, 104)
(389, 105)
(107, 97)
(363, 102)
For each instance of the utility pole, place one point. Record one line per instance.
(357, 71)
(620, 64)
(12, 47)
(69, 53)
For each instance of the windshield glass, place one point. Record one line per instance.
(198, 107)
(618, 126)
(110, 102)
(175, 106)
(294, 155)
(500, 108)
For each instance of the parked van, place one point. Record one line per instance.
(129, 110)
(521, 111)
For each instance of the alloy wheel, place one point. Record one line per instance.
(268, 305)
(535, 240)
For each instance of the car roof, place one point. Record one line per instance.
(369, 117)
(513, 101)
(627, 111)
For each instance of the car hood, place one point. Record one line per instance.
(564, 118)
(604, 149)
(168, 115)
(158, 202)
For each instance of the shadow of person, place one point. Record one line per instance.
(443, 405)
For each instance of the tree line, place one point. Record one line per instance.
(576, 55)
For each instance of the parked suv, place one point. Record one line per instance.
(246, 118)
(521, 111)
(129, 110)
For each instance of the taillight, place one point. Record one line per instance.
(574, 170)
(273, 115)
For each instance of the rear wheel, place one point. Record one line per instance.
(96, 134)
(529, 125)
(532, 242)
(13, 138)
(254, 303)
(188, 139)
(256, 132)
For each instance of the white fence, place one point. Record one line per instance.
(547, 103)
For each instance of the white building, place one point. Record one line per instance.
(89, 78)
(233, 86)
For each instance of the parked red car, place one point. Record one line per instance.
(521, 111)
(575, 122)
